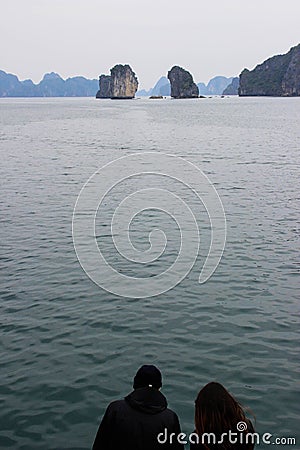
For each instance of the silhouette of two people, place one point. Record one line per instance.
(143, 421)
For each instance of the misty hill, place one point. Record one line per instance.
(162, 87)
(52, 85)
(202, 89)
(215, 86)
(233, 87)
(277, 76)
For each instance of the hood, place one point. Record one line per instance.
(148, 400)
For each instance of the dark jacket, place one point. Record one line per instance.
(135, 423)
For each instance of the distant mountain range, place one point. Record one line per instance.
(215, 86)
(52, 85)
(162, 87)
(277, 76)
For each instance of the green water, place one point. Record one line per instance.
(68, 348)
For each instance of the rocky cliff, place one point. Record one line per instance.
(278, 76)
(122, 83)
(104, 87)
(291, 79)
(182, 83)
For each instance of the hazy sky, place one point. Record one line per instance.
(88, 37)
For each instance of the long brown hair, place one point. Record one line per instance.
(217, 411)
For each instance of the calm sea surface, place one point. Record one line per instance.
(68, 347)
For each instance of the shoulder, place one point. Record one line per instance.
(115, 406)
(171, 412)
(250, 426)
(116, 403)
(171, 415)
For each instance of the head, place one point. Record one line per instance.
(147, 376)
(217, 411)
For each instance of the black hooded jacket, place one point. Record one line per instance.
(135, 423)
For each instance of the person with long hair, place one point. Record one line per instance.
(220, 421)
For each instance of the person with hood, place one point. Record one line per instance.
(135, 422)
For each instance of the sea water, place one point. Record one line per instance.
(68, 347)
